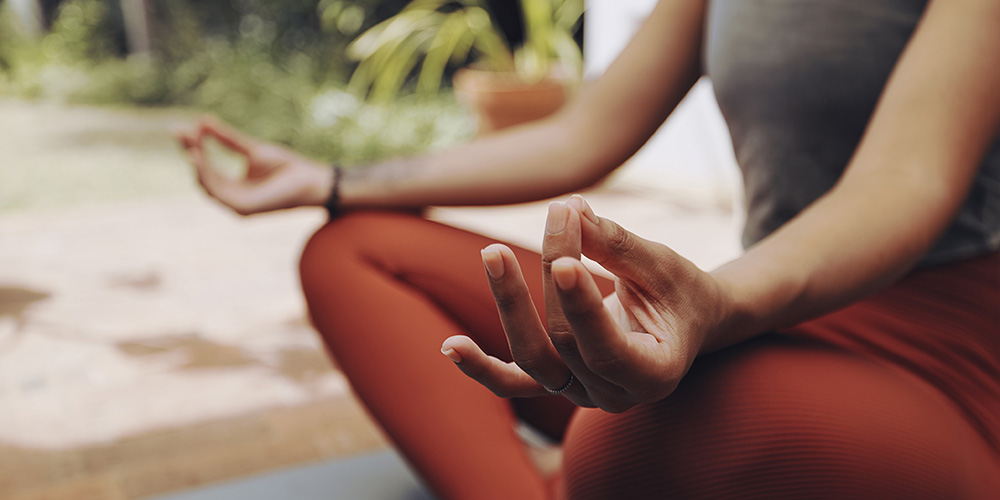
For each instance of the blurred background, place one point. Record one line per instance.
(152, 342)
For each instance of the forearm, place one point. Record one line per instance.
(527, 163)
(611, 119)
(939, 114)
(850, 243)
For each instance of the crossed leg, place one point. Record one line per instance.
(384, 290)
(775, 417)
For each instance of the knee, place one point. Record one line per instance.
(609, 456)
(342, 237)
(649, 455)
(776, 425)
(350, 247)
(334, 248)
(318, 255)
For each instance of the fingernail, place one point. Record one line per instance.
(452, 355)
(564, 274)
(586, 210)
(493, 262)
(556, 221)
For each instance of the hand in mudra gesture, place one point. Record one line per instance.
(631, 348)
(275, 177)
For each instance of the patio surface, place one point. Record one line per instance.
(151, 341)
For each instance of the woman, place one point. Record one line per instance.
(853, 351)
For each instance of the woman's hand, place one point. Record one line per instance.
(630, 349)
(275, 178)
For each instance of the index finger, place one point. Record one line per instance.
(229, 137)
(629, 360)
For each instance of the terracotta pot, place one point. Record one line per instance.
(501, 100)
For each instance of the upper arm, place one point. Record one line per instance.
(624, 107)
(937, 116)
(939, 112)
(936, 119)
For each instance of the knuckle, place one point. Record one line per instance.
(528, 361)
(552, 252)
(507, 296)
(506, 301)
(564, 342)
(620, 241)
(578, 307)
(575, 300)
(547, 260)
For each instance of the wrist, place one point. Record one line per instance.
(320, 183)
(332, 202)
(734, 318)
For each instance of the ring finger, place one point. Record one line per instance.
(529, 343)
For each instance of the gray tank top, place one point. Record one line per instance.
(797, 81)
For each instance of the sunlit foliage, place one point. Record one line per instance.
(275, 68)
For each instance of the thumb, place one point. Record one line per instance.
(187, 138)
(622, 252)
(227, 136)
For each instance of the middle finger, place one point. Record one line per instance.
(563, 239)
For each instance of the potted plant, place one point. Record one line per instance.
(504, 86)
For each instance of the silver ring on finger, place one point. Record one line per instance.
(564, 388)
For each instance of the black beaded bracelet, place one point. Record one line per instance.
(332, 204)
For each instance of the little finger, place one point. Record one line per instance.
(506, 380)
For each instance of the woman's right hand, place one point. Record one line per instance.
(629, 349)
(276, 177)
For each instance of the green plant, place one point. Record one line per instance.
(440, 32)
(253, 69)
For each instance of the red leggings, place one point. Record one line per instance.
(897, 396)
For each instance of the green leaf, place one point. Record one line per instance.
(447, 40)
(568, 53)
(392, 74)
(568, 15)
(388, 33)
(488, 40)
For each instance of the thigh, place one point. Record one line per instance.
(442, 262)
(782, 418)
(439, 262)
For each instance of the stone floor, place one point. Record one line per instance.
(151, 344)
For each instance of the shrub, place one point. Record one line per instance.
(275, 68)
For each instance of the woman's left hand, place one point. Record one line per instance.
(632, 348)
(276, 177)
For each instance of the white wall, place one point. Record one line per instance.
(691, 155)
